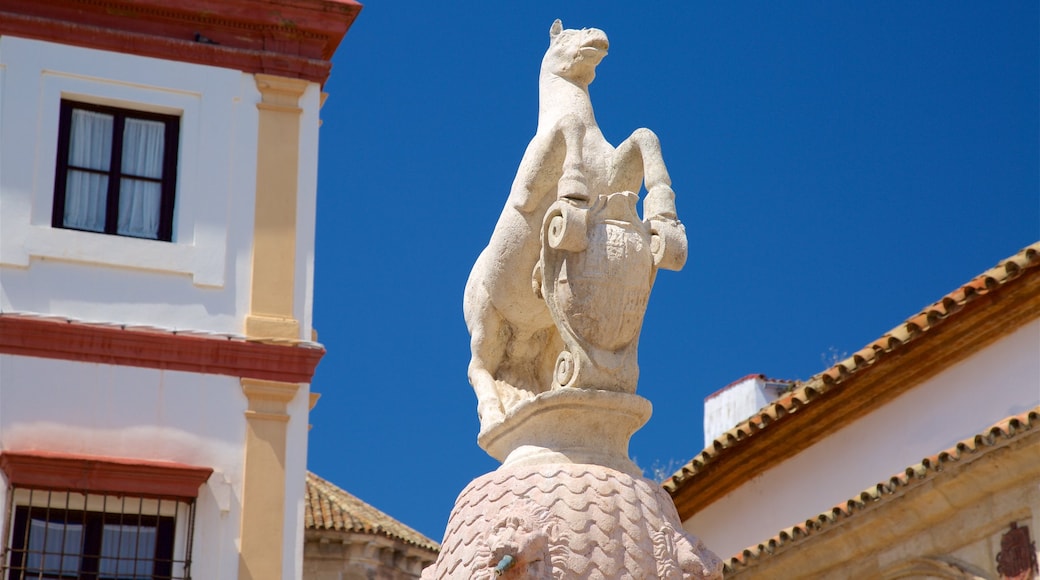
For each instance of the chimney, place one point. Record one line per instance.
(737, 401)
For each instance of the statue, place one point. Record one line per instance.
(541, 310)
(554, 306)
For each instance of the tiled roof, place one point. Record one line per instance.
(330, 508)
(997, 435)
(896, 341)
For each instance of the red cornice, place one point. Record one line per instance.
(60, 339)
(291, 38)
(139, 477)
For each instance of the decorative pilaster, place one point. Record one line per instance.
(277, 176)
(263, 495)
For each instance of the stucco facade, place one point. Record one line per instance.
(187, 356)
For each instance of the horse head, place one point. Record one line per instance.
(574, 54)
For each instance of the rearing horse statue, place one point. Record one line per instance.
(514, 341)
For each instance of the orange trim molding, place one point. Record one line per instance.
(65, 340)
(290, 38)
(59, 471)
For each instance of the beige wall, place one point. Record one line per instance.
(337, 555)
(947, 525)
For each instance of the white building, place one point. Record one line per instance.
(158, 173)
(917, 457)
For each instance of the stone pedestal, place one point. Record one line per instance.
(568, 425)
(568, 520)
(567, 501)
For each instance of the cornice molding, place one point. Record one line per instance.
(59, 471)
(115, 345)
(287, 38)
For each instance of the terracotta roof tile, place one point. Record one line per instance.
(997, 435)
(893, 341)
(328, 507)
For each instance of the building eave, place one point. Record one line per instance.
(989, 307)
(291, 38)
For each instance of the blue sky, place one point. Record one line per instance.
(837, 167)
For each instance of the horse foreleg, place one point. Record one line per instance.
(638, 159)
(552, 159)
(572, 184)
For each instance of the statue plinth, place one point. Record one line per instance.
(567, 425)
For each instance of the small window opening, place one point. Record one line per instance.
(96, 536)
(116, 171)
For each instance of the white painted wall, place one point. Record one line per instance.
(136, 413)
(1001, 380)
(306, 209)
(200, 281)
(295, 484)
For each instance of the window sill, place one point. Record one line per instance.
(121, 251)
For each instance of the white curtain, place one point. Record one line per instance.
(139, 199)
(127, 552)
(90, 146)
(53, 548)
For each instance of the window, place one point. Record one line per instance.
(87, 518)
(116, 171)
(132, 543)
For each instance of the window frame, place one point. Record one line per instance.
(168, 187)
(89, 555)
(114, 486)
(214, 175)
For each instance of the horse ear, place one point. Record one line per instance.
(555, 29)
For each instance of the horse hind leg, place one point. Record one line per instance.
(488, 337)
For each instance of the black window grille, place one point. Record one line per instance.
(95, 536)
